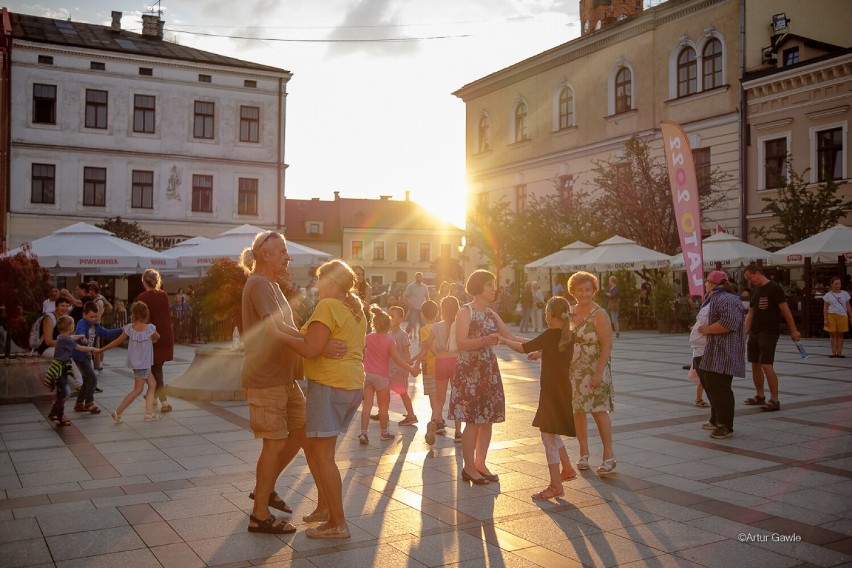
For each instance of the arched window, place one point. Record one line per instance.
(484, 133)
(687, 72)
(712, 64)
(566, 108)
(521, 133)
(623, 90)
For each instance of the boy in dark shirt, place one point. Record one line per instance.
(66, 344)
(90, 329)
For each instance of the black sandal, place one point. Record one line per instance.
(268, 526)
(275, 502)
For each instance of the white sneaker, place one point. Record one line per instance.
(116, 416)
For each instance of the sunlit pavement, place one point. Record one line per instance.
(175, 492)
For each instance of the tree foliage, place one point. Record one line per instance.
(491, 228)
(550, 222)
(449, 269)
(24, 284)
(801, 211)
(633, 196)
(220, 292)
(127, 230)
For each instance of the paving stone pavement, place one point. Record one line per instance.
(174, 493)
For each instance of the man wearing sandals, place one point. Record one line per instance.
(276, 404)
(763, 326)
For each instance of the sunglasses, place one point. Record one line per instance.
(266, 238)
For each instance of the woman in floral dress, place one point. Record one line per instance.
(591, 377)
(477, 391)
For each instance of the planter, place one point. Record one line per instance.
(214, 374)
(20, 379)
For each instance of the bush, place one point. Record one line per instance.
(219, 294)
(24, 285)
(662, 297)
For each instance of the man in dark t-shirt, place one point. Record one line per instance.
(763, 326)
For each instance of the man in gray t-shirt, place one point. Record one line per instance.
(416, 293)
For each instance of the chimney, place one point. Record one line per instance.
(337, 196)
(407, 195)
(116, 21)
(152, 27)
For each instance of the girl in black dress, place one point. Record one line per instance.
(555, 415)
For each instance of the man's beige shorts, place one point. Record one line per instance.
(276, 411)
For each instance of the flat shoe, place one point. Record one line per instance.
(116, 416)
(549, 493)
(165, 407)
(341, 531)
(701, 403)
(771, 406)
(607, 467)
(93, 409)
(275, 502)
(583, 463)
(317, 517)
(568, 475)
(755, 400)
(268, 526)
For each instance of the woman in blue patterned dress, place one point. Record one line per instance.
(477, 391)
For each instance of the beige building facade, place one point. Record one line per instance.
(798, 99)
(538, 127)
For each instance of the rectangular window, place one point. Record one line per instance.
(622, 175)
(249, 124)
(401, 251)
(44, 104)
(313, 228)
(96, 109)
(701, 158)
(358, 250)
(204, 78)
(249, 84)
(43, 188)
(378, 250)
(791, 56)
(94, 186)
(146, 71)
(247, 196)
(144, 112)
(566, 192)
(45, 59)
(97, 66)
(425, 252)
(142, 190)
(775, 162)
(202, 194)
(204, 120)
(521, 198)
(829, 154)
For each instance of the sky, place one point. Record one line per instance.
(366, 118)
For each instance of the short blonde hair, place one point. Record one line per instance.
(581, 278)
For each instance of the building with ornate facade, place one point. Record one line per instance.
(102, 122)
(537, 127)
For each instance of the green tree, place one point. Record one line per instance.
(449, 269)
(127, 230)
(801, 211)
(490, 228)
(219, 293)
(633, 196)
(551, 221)
(24, 284)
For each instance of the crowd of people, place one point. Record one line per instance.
(347, 366)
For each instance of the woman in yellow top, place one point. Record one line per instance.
(335, 387)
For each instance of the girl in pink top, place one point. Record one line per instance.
(380, 349)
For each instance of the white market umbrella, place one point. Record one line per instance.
(823, 247)
(85, 248)
(726, 249)
(231, 244)
(184, 247)
(617, 253)
(555, 260)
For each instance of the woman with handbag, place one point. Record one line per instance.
(591, 377)
(538, 307)
(554, 414)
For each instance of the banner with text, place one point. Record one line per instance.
(685, 198)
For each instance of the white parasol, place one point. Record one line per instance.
(85, 248)
(726, 249)
(617, 253)
(823, 247)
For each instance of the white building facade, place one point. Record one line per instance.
(108, 123)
